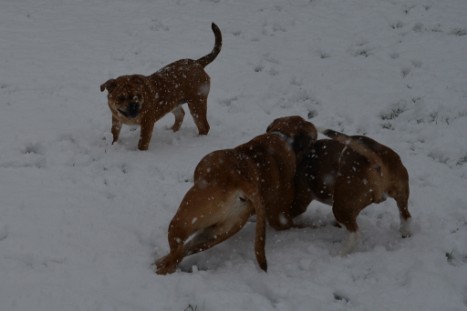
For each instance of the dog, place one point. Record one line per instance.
(350, 173)
(255, 178)
(142, 100)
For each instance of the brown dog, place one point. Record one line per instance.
(350, 173)
(233, 184)
(138, 99)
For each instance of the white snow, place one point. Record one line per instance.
(82, 221)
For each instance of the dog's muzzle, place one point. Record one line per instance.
(131, 111)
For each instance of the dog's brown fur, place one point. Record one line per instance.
(233, 184)
(142, 100)
(350, 173)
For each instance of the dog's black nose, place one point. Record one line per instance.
(132, 110)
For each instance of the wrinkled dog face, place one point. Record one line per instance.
(125, 96)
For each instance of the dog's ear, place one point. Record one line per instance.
(305, 138)
(277, 124)
(109, 85)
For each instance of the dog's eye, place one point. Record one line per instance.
(135, 98)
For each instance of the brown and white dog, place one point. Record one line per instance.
(233, 184)
(142, 100)
(350, 173)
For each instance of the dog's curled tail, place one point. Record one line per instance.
(354, 143)
(207, 59)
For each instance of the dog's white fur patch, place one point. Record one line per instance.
(204, 89)
(350, 244)
(405, 227)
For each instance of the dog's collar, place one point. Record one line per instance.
(284, 137)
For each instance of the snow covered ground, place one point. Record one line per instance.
(81, 220)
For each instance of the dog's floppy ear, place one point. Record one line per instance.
(109, 85)
(301, 133)
(305, 138)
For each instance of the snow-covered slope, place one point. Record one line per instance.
(81, 220)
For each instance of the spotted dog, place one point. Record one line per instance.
(350, 173)
(256, 178)
(142, 100)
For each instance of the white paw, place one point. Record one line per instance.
(405, 227)
(350, 244)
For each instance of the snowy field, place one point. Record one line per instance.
(81, 220)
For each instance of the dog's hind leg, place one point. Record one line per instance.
(179, 114)
(198, 110)
(212, 236)
(219, 232)
(400, 191)
(346, 215)
(405, 217)
(168, 264)
(209, 216)
(239, 210)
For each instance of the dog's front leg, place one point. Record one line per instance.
(116, 127)
(198, 110)
(147, 127)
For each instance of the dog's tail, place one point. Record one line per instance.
(207, 59)
(357, 145)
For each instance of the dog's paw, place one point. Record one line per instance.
(165, 266)
(405, 228)
(352, 240)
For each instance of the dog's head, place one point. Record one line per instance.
(301, 134)
(126, 95)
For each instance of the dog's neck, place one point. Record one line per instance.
(284, 137)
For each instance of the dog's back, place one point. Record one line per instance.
(266, 163)
(387, 174)
(350, 173)
(349, 161)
